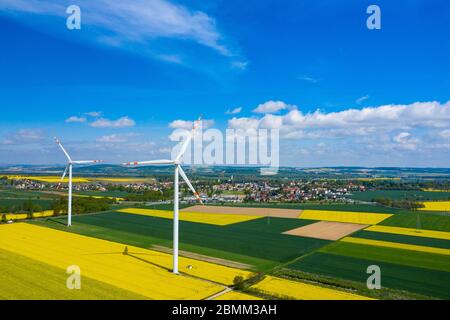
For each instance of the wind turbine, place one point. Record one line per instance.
(178, 171)
(69, 168)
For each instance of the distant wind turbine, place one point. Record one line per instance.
(178, 171)
(69, 168)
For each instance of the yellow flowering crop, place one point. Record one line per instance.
(22, 216)
(219, 219)
(404, 246)
(411, 232)
(234, 295)
(436, 206)
(302, 291)
(144, 272)
(344, 216)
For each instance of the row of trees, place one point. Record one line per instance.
(150, 195)
(403, 204)
(82, 205)
(25, 207)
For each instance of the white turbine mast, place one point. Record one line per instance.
(178, 171)
(69, 168)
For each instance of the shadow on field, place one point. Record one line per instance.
(125, 252)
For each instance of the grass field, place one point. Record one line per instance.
(140, 271)
(402, 238)
(318, 206)
(284, 288)
(416, 195)
(423, 281)
(423, 220)
(344, 216)
(257, 242)
(411, 232)
(421, 259)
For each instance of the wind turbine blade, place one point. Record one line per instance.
(87, 161)
(58, 142)
(185, 178)
(188, 139)
(64, 173)
(151, 162)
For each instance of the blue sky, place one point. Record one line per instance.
(339, 93)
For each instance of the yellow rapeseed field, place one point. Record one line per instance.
(234, 295)
(344, 216)
(411, 232)
(50, 179)
(144, 272)
(219, 219)
(436, 206)
(21, 216)
(302, 291)
(389, 244)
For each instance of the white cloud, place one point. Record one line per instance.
(119, 123)
(242, 65)
(362, 99)
(234, 111)
(94, 114)
(134, 21)
(76, 119)
(308, 79)
(272, 107)
(23, 136)
(445, 134)
(402, 137)
(188, 125)
(115, 138)
(351, 122)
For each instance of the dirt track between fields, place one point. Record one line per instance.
(262, 212)
(326, 230)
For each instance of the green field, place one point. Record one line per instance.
(410, 258)
(321, 206)
(426, 220)
(400, 195)
(432, 283)
(30, 279)
(11, 203)
(256, 242)
(117, 194)
(399, 238)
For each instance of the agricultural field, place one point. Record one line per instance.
(140, 271)
(345, 216)
(443, 206)
(358, 207)
(257, 242)
(416, 195)
(288, 289)
(416, 262)
(419, 220)
(192, 216)
(57, 179)
(304, 254)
